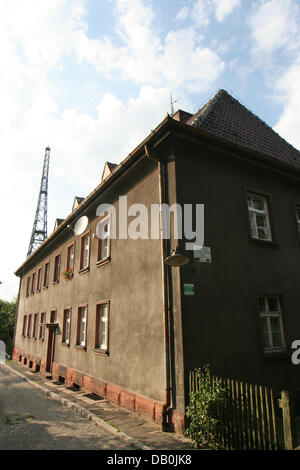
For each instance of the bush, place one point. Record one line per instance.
(202, 412)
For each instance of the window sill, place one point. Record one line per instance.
(80, 348)
(276, 355)
(84, 270)
(66, 345)
(103, 261)
(54, 283)
(45, 287)
(102, 352)
(68, 278)
(261, 242)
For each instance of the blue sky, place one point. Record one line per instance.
(91, 78)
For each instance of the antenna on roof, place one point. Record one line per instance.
(172, 102)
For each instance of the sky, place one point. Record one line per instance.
(92, 78)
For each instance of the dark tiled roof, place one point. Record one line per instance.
(111, 166)
(225, 117)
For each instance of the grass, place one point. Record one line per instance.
(16, 419)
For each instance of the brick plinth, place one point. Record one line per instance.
(146, 407)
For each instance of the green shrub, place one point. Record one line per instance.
(204, 423)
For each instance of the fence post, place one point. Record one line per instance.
(287, 406)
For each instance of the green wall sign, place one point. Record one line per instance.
(189, 289)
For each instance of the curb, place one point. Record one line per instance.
(84, 412)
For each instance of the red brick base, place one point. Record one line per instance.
(146, 407)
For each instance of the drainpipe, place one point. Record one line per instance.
(165, 287)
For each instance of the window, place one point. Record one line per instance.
(24, 325)
(271, 323)
(35, 323)
(28, 286)
(85, 251)
(53, 316)
(101, 336)
(297, 210)
(104, 241)
(33, 283)
(81, 326)
(46, 275)
(258, 209)
(39, 280)
(29, 326)
(42, 326)
(66, 326)
(56, 268)
(70, 258)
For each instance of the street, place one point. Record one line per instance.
(29, 420)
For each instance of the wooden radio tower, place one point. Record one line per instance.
(39, 230)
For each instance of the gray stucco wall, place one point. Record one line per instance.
(220, 322)
(132, 283)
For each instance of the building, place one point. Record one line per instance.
(121, 323)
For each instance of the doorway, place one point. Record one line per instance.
(50, 350)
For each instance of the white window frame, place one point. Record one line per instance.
(85, 251)
(104, 242)
(67, 326)
(56, 271)
(266, 314)
(102, 326)
(42, 326)
(82, 326)
(254, 213)
(70, 257)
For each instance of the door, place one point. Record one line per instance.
(50, 350)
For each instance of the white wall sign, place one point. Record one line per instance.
(202, 255)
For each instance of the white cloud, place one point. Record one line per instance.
(288, 87)
(200, 12)
(203, 10)
(274, 25)
(196, 69)
(223, 8)
(182, 14)
(178, 59)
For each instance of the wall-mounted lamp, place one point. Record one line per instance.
(176, 258)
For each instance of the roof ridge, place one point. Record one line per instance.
(203, 112)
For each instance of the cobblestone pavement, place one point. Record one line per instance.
(30, 420)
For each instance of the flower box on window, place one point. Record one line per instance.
(68, 273)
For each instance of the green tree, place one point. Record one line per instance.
(7, 322)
